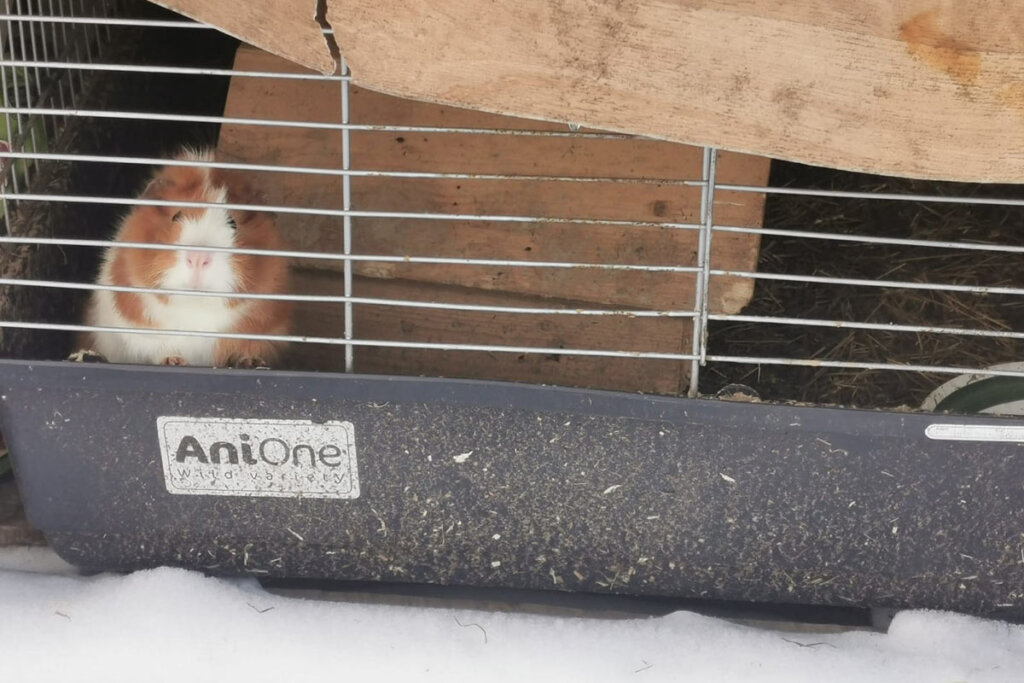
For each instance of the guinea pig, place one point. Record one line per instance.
(192, 267)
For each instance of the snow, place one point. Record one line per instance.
(33, 559)
(175, 625)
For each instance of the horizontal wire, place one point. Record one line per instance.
(989, 201)
(850, 194)
(629, 313)
(325, 298)
(846, 324)
(893, 284)
(317, 125)
(316, 170)
(57, 19)
(856, 365)
(440, 346)
(378, 343)
(301, 210)
(164, 69)
(872, 239)
(104, 244)
(719, 186)
(111, 21)
(374, 258)
(313, 170)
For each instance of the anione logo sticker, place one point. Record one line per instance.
(273, 458)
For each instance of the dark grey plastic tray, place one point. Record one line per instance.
(496, 484)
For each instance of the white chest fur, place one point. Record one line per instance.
(182, 312)
(190, 312)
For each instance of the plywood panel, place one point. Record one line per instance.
(557, 243)
(426, 325)
(922, 88)
(656, 193)
(669, 201)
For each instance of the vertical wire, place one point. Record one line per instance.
(63, 26)
(9, 163)
(346, 192)
(76, 39)
(59, 77)
(700, 320)
(95, 13)
(35, 49)
(108, 10)
(32, 97)
(10, 87)
(695, 334)
(67, 55)
(708, 230)
(26, 85)
(50, 78)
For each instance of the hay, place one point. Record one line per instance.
(931, 221)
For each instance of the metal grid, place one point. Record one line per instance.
(33, 77)
(50, 47)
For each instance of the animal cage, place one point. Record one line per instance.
(524, 353)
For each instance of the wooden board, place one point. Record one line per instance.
(284, 27)
(668, 200)
(537, 241)
(664, 335)
(921, 88)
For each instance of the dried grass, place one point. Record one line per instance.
(915, 220)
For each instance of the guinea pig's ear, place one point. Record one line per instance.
(246, 194)
(157, 189)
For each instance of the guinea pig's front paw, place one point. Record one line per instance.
(174, 360)
(250, 363)
(87, 356)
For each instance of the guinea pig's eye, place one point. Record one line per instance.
(231, 223)
(176, 217)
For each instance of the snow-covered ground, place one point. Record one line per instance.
(174, 625)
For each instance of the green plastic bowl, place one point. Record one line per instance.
(977, 394)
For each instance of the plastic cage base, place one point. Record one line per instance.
(495, 484)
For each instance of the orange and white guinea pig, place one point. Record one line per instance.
(192, 267)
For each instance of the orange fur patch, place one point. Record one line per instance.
(155, 225)
(256, 274)
(264, 317)
(128, 305)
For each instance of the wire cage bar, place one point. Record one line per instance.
(53, 52)
(428, 245)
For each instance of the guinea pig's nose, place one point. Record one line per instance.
(197, 259)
